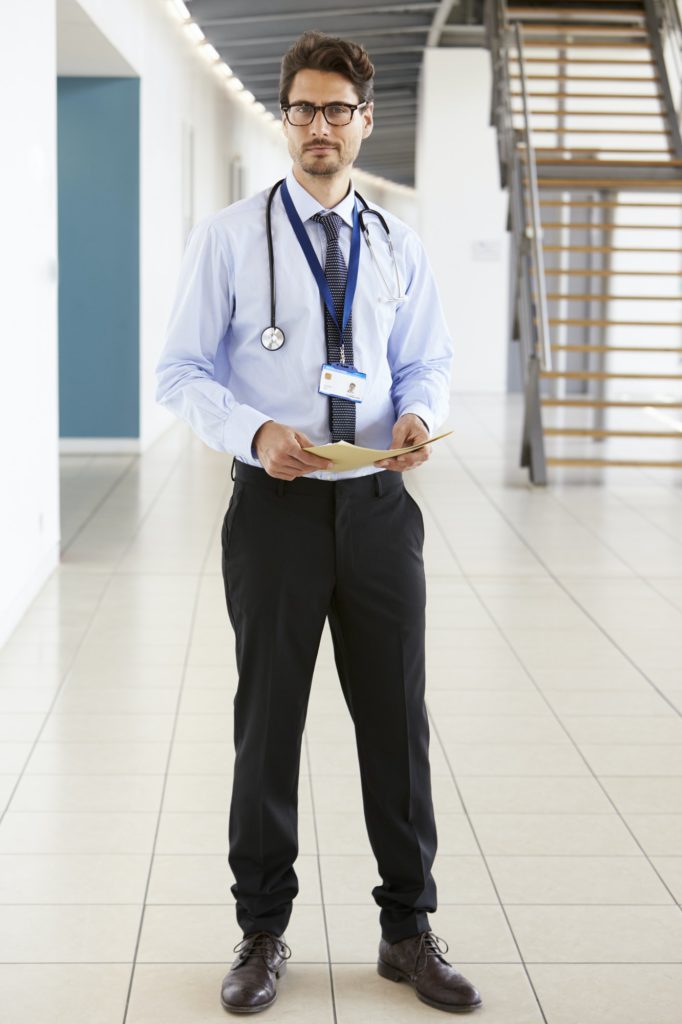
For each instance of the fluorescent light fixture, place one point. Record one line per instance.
(180, 10)
(209, 53)
(194, 32)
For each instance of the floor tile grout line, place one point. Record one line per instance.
(319, 875)
(132, 460)
(617, 494)
(454, 780)
(335, 963)
(67, 670)
(193, 619)
(489, 872)
(527, 671)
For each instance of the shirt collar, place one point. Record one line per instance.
(307, 206)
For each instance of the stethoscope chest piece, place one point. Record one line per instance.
(272, 338)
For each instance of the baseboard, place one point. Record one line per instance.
(99, 446)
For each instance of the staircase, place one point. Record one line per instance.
(587, 99)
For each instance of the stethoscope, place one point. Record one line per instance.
(272, 337)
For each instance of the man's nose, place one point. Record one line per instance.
(321, 124)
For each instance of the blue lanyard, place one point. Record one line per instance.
(314, 263)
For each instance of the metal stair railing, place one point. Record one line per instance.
(518, 172)
(664, 23)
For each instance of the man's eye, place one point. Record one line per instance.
(302, 108)
(337, 108)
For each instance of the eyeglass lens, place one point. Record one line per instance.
(335, 113)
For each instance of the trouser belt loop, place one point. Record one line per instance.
(233, 470)
(378, 485)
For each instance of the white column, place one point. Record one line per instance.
(462, 212)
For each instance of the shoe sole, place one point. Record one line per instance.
(395, 974)
(254, 1009)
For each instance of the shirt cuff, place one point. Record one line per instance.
(422, 411)
(241, 428)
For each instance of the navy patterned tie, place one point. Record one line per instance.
(341, 410)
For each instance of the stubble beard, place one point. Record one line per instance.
(323, 167)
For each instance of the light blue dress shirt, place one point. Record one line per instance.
(215, 374)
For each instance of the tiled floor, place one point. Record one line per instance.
(555, 698)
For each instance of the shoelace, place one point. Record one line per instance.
(261, 944)
(428, 946)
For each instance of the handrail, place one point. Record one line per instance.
(535, 229)
(665, 28)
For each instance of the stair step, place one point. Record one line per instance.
(603, 248)
(611, 227)
(588, 322)
(609, 203)
(598, 432)
(626, 184)
(572, 272)
(605, 375)
(557, 296)
(586, 161)
(602, 149)
(609, 403)
(553, 28)
(636, 61)
(584, 44)
(597, 463)
(563, 112)
(563, 130)
(614, 348)
(658, 97)
(578, 12)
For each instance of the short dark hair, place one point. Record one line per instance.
(320, 52)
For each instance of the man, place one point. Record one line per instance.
(301, 544)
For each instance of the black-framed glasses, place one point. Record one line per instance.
(301, 114)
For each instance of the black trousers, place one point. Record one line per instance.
(295, 554)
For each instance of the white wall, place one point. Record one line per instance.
(29, 488)
(462, 212)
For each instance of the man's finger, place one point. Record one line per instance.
(308, 459)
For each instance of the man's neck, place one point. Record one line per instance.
(328, 190)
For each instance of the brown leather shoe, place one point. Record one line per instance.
(419, 961)
(250, 984)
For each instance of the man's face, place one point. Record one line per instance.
(321, 148)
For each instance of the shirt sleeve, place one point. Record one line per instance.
(420, 349)
(199, 321)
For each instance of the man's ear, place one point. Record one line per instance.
(368, 120)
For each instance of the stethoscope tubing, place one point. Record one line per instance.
(273, 330)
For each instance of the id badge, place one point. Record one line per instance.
(342, 382)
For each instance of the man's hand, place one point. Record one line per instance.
(408, 430)
(280, 450)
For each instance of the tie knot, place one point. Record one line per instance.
(331, 222)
